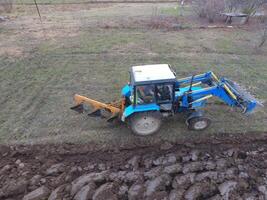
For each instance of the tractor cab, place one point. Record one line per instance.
(151, 87)
(152, 84)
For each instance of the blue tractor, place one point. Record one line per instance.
(154, 92)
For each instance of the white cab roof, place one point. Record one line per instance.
(157, 72)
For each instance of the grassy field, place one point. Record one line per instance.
(88, 49)
(80, 1)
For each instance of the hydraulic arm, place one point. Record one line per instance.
(226, 90)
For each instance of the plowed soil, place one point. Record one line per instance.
(239, 160)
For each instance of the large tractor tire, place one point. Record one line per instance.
(145, 123)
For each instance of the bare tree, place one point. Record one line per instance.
(208, 8)
(6, 5)
(264, 35)
(181, 3)
(248, 7)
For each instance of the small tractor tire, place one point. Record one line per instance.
(145, 123)
(198, 123)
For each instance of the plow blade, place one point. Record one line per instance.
(112, 118)
(83, 102)
(246, 101)
(78, 108)
(95, 113)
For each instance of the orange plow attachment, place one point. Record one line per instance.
(115, 108)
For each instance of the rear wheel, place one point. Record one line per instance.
(199, 123)
(145, 123)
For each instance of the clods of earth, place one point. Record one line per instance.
(166, 171)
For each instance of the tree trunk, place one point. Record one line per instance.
(264, 38)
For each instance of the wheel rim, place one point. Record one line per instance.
(200, 125)
(146, 125)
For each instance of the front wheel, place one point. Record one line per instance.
(145, 123)
(198, 123)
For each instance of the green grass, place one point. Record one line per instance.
(62, 1)
(37, 88)
(177, 11)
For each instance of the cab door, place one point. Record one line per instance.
(144, 94)
(165, 95)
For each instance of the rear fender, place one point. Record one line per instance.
(130, 110)
(126, 91)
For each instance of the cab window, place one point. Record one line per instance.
(145, 94)
(164, 93)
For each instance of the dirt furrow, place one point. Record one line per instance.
(213, 168)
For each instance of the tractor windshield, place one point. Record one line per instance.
(164, 93)
(145, 94)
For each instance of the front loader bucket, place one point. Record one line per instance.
(244, 99)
